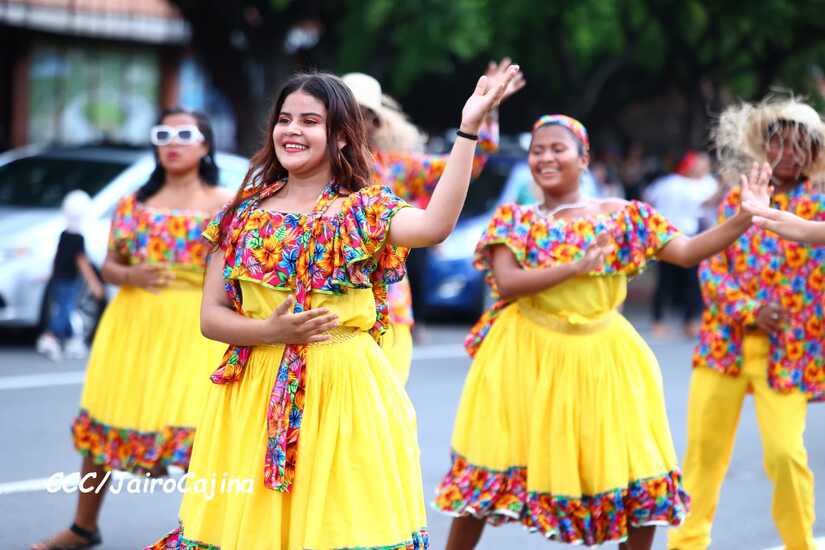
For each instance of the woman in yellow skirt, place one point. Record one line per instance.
(562, 424)
(401, 164)
(308, 438)
(147, 374)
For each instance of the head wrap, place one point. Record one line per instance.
(576, 127)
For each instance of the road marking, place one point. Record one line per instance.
(820, 545)
(68, 378)
(42, 380)
(69, 483)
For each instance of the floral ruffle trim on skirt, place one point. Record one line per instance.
(175, 540)
(130, 450)
(500, 496)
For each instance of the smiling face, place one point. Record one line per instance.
(176, 158)
(300, 135)
(555, 161)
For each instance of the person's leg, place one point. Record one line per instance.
(639, 538)
(62, 304)
(781, 420)
(89, 503)
(465, 532)
(714, 405)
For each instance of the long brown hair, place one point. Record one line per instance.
(350, 165)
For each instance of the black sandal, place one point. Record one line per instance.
(93, 538)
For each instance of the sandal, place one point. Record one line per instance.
(92, 538)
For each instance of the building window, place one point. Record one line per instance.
(83, 94)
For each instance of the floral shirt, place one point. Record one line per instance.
(350, 248)
(762, 268)
(142, 234)
(637, 232)
(413, 177)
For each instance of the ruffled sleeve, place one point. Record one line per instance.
(509, 226)
(640, 233)
(123, 231)
(366, 256)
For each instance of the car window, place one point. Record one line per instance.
(42, 182)
(485, 190)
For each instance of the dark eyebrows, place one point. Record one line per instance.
(282, 113)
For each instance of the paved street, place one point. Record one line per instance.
(38, 399)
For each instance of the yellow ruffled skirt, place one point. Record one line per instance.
(398, 345)
(146, 379)
(562, 426)
(358, 478)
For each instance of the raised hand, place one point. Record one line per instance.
(785, 224)
(307, 327)
(498, 71)
(756, 188)
(486, 97)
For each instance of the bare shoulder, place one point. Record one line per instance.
(218, 197)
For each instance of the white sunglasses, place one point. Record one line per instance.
(188, 134)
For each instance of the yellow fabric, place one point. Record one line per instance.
(358, 479)
(150, 364)
(582, 407)
(398, 345)
(713, 414)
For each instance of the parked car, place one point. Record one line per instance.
(33, 182)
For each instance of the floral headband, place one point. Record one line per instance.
(576, 127)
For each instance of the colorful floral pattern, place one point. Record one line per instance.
(762, 268)
(130, 450)
(413, 177)
(175, 540)
(607, 516)
(498, 496)
(637, 232)
(400, 303)
(141, 234)
(501, 496)
(306, 253)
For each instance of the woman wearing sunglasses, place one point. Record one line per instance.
(149, 365)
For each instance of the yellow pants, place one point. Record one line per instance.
(713, 414)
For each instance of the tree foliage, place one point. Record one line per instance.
(590, 58)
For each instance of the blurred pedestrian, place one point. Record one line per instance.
(149, 365)
(400, 163)
(762, 330)
(680, 197)
(562, 424)
(305, 408)
(71, 270)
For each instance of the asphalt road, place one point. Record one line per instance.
(38, 399)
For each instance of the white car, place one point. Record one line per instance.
(33, 182)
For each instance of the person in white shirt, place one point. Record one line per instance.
(681, 198)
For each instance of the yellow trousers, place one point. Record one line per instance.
(713, 414)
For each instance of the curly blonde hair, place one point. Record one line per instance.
(744, 131)
(396, 132)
